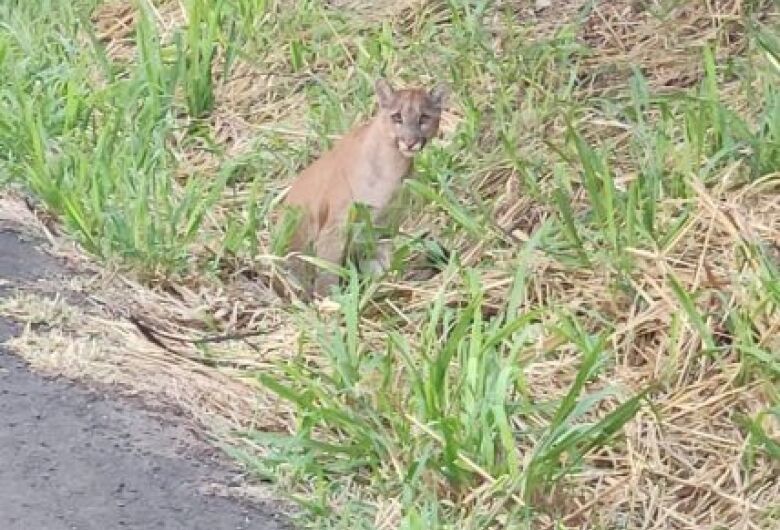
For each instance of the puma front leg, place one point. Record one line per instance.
(379, 262)
(329, 247)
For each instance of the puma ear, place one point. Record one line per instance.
(384, 92)
(438, 94)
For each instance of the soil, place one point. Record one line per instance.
(78, 458)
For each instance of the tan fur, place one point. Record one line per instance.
(366, 166)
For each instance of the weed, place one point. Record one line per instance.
(602, 202)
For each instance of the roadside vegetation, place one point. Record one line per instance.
(599, 347)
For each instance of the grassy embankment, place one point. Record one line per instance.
(602, 346)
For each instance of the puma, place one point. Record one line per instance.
(367, 166)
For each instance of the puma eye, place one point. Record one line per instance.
(396, 117)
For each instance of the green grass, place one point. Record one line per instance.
(438, 409)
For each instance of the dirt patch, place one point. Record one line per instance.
(77, 458)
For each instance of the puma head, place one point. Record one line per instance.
(410, 116)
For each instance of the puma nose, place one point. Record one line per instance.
(413, 145)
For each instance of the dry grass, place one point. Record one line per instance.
(680, 465)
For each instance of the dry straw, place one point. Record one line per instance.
(681, 464)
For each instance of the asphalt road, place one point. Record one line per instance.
(73, 458)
